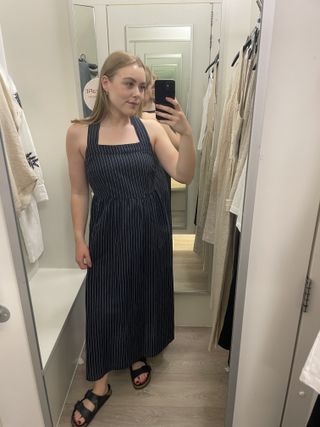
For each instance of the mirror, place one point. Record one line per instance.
(86, 52)
(177, 41)
(167, 51)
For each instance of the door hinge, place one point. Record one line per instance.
(306, 295)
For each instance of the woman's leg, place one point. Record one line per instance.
(100, 387)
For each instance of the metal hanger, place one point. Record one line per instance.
(215, 61)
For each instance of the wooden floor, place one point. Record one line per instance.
(189, 275)
(188, 388)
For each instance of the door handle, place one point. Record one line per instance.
(4, 314)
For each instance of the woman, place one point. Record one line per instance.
(149, 110)
(129, 285)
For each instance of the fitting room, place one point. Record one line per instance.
(245, 231)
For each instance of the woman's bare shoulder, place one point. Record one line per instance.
(77, 130)
(151, 124)
(153, 128)
(145, 115)
(76, 138)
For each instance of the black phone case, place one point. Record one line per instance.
(164, 88)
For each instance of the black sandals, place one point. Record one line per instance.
(88, 415)
(146, 369)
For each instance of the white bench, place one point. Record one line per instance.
(58, 303)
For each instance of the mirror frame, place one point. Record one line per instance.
(22, 280)
(251, 183)
(263, 63)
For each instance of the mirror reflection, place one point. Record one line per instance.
(179, 42)
(86, 50)
(167, 52)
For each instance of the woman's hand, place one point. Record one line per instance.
(83, 256)
(174, 117)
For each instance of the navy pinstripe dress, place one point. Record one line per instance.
(129, 288)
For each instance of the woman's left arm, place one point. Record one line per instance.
(173, 136)
(179, 164)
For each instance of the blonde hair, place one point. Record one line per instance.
(112, 64)
(149, 76)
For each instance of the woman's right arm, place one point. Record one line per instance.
(76, 136)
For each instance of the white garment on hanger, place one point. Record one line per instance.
(310, 374)
(208, 154)
(205, 103)
(40, 191)
(29, 218)
(30, 225)
(238, 200)
(23, 179)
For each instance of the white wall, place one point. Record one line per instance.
(284, 216)
(19, 401)
(39, 56)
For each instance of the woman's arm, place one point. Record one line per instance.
(79, 192)
(179, 165)
(173, 136)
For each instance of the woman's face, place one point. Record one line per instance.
(126, 89)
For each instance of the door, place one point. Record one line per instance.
(163, 36)
(300, 398)
(22, 392)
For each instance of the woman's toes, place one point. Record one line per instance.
(142, 378)
(78, 418)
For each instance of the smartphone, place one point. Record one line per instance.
(164, 88)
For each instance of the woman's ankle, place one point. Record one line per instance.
(100, 387)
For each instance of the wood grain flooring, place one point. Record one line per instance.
(188, 388)
(189, 275)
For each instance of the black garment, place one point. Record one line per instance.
(196, 211)
(314, 420)
(85, 77)
(226, 333)
(129, 288)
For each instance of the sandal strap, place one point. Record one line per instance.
(84, 412)
(96, 400)
(143, 370)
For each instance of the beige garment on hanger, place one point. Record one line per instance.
(222, 154)
(22, 177)
(206, 167)
(238, 199)
(245, 138)
(237, 168)
(220, 224)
